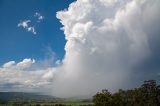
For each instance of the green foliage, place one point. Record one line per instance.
(146, 95)
(103, 98)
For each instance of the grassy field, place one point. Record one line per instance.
(66, 103)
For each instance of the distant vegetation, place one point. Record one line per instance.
(148, 94)
(33, 99)
(25, 97)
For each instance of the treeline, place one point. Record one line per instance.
(146, 95)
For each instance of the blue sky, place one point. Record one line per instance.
(16, 43)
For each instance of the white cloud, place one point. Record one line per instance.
(31, 29)
(106, 41)
(58, 62)
(24, 77)
(24, 23)
(9, 64)
(39, 17)
(49, 75)
(25, 63)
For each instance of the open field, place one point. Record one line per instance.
(50, 104)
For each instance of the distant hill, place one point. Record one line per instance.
(26, 97)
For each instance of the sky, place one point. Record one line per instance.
(17, 43)
(76, 48)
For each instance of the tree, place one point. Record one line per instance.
(103, 98)
(119, 98)
(150, 92)
(146, 95)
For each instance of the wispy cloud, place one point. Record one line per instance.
(39, 17)
(31, 29)
(29, 26)
(25, 24)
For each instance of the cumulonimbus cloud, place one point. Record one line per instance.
(109, 43)
(106, 40)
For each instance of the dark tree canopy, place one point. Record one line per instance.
(146, 95)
